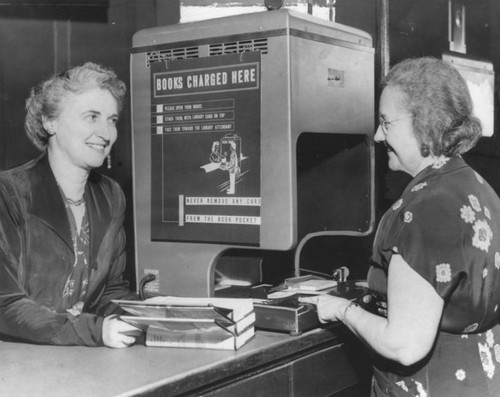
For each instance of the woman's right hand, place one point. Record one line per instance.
(117, 333)
(329, 308)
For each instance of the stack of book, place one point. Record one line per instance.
(210, 323)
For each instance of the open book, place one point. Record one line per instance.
(213, 323)
(237, 307)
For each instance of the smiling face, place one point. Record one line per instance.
(402, 146)
(85, 129)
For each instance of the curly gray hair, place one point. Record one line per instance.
(46, 98)
(439, 100)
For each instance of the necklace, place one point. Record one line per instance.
(75, 203)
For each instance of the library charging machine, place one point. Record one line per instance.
(253, 132)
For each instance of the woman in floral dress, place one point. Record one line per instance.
(436, 255)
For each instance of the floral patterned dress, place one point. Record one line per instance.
(75, 288)
(446, 226)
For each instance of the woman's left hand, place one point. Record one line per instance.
(329, 308)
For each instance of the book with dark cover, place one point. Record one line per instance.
(178, 324)
(142, 309)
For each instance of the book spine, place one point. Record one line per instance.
(189, 341)
(160, 338)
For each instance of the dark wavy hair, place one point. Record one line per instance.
(46, 98)
(437, 97)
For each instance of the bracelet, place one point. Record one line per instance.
(351, 304)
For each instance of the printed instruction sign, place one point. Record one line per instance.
(205, 149)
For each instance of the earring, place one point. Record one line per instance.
(425, 150)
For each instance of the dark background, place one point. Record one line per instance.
(38, 38)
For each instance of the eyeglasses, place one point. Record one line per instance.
(385, 124)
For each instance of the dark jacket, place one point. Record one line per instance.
(36, 256)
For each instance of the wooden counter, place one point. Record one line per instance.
(313, 364)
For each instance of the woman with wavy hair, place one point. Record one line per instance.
(62, 244)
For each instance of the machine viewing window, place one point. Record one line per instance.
(333, 182)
